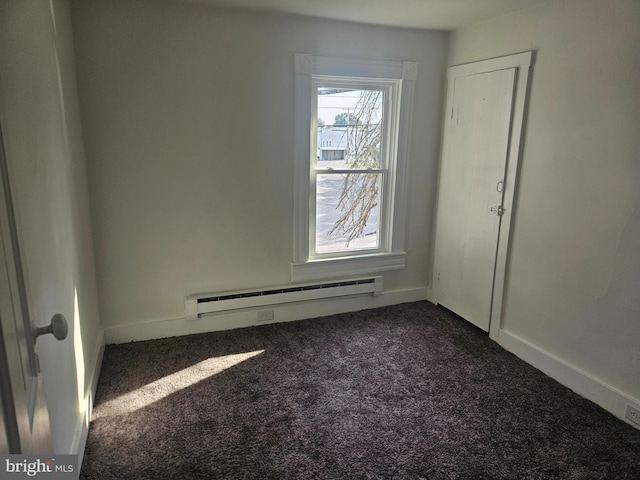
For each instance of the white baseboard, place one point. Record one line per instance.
(581, 382)
(82, 429)
(249, 317)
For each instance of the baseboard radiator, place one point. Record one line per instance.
(196, 305)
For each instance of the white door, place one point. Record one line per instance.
(470, 198)
(25, 418)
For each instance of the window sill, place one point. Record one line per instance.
(346, 266)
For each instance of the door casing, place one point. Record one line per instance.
(522, 62)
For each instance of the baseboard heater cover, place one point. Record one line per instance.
(196, 305)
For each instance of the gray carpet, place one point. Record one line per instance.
(410, 391)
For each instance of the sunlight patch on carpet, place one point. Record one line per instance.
(159, 389)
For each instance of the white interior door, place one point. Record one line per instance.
(470, 197)
(24, 412)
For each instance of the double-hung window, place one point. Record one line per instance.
(352, 126)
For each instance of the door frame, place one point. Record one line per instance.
(522, 62)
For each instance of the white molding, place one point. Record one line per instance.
(248, 318)
(405, 74)
(347, 266)
(401, 183)
(356, 67)
(301, 168)
(521, 62)
(410, 71)
(583, 383)
(82, 429)
(303, 63)
(517, 60)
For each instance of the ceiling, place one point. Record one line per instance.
(430, 14)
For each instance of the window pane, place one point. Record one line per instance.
(347, 212)
(349, 128)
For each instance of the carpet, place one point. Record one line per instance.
(404, 392)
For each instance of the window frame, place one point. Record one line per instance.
(386, 169)
(398, 79)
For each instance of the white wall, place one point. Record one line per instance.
(573, 283)
(41, 129)
(188, 118)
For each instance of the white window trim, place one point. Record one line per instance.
(391, 89)
(393, 258)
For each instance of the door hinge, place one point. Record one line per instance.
(497, 209)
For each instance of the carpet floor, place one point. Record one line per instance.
(404, 392)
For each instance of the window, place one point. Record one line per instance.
(352, 122)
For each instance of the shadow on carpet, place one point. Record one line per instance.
(410, 391)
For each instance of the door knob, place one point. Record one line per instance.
(58, 327)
